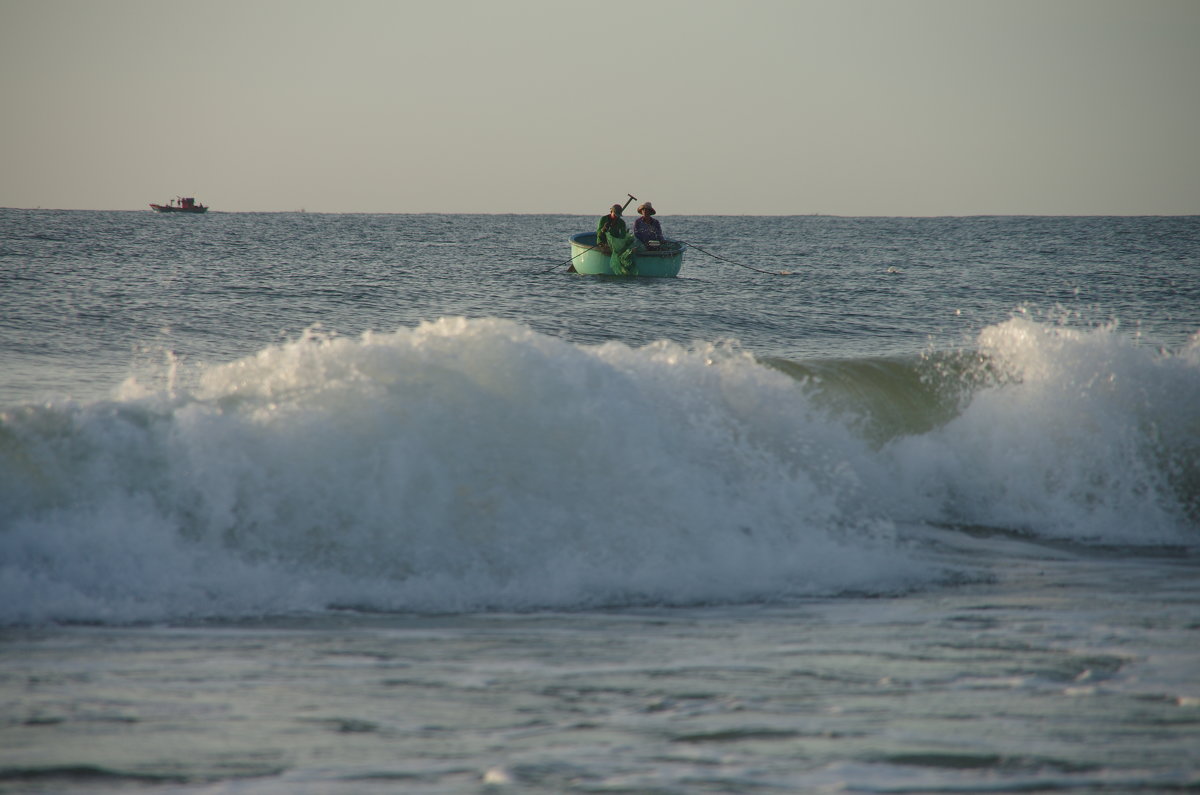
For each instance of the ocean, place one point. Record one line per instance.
(309, 503)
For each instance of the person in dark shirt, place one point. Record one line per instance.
(613, 238)
(647, 227)
(611, 224)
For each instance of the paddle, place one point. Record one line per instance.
(631, 199)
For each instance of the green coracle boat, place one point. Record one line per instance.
(664, 260)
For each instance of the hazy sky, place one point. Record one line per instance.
(847, 107)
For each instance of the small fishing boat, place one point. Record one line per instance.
(180, 205)
(664, 259)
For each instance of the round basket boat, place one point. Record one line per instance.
(663, 260)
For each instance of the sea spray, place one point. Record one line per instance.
(1074, 434)
(477, 464)
(458, 465)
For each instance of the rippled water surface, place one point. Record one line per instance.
(297, 503)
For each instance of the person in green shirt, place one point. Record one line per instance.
(612, 234)
(611, 222)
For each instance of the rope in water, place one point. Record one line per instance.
(568, 262)
(739, 264)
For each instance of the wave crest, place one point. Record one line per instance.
(474, 464)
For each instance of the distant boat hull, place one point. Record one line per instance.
(166, 208)
(590, 260)
(188, 205)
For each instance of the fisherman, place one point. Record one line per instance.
(610, 223)
(613, 238)
(647, 227)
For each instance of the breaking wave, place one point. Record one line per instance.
(476, 464)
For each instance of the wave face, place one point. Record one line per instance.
(477, 464)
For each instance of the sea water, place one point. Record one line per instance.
(300, 503)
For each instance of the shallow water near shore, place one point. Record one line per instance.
(1027, 682)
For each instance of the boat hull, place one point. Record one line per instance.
(169, 208)
(590, 260)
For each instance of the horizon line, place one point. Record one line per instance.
(303, 211)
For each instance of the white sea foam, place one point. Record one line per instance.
(477, 464)
(1083, 435)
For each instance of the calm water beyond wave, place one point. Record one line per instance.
(300, 503)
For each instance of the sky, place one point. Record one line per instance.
(740, 107)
